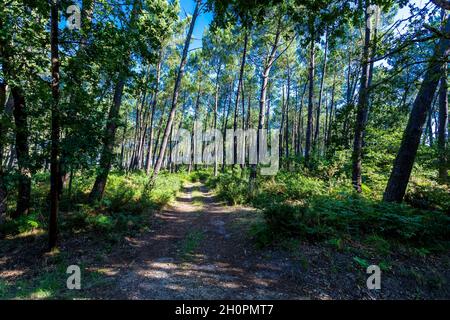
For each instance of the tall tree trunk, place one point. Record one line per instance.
(153, 110)
(241, 76)
(443, 121)
(330, 122)
(262, 101)
(442, 127)
(226, 113)
(55, 129)
(176, 92)
(300, 122)
(108, 143)
(363, 103)
(216, 104)
(122, 149)
(194, 140)
(322, 81)
(286, 129)
(309, 123)
(22, 153)
(3, 189)
(401, 171)
(107, 154)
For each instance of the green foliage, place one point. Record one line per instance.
(324, 217)
(124, 209)
(200, 175)
(23, 224)
(191, 243)
(302, 206)
(361, 262)
(231, 187)
(430, 196)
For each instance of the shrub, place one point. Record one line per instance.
(22, 224)
(232, 188)
(325, 217)
(200, 175)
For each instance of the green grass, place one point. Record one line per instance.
(191, 243)
(197, 197)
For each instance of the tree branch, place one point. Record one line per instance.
(442, 4)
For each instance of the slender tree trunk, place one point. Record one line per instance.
(176, 92)
(158, 136)
(286, 131)
(330, 122)
(226, 112)
(262, 102)
(194, 140)
(401, 171)
(216, 103)
(107, 154)
(309, 123)
(300, 122)
(241, 76)
(55, 129)
(21, 133)
(363, 103)
(122, 149)
(152, 116)
(22, 153)
(442, 130)
(3, 189)
(322, 81)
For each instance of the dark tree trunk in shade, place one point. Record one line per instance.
(107, 153)
(298, 147)
(442, 128)
(362, 107)
(22, 153)
(309, 123)
(319, 104)
(403, 164)
(55, 180)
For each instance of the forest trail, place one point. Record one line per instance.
(199, 250)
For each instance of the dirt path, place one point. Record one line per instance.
(198, 250)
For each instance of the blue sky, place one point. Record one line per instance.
(202, 21)
(187, 7)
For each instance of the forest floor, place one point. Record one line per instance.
(199, 248)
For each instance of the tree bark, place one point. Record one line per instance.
(442, 127)
(241, 76)
(216, 104)
(152, 116)
(176, 92)
(55, 128)
(322, 81)
(363, 102)
(262, 101)
(22, 153)
(401, 171)
(107, 154)
(309, 123)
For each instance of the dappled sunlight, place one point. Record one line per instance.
(5, 274)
